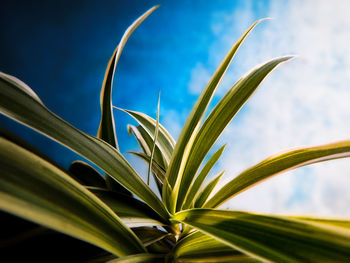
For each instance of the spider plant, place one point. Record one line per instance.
(120, 213)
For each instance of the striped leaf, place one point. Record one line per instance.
(34, 189)
(106, 130)
(219, 118)
(192, 125)
(272, 238)
(145, 142)
(200, 178)
(131, 211)
(207, 190)
(140, 258)
(158, 171)
(277, 164)
(164, 142)
(20, 103)
(199, 247)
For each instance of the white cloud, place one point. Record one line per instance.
(304, 102)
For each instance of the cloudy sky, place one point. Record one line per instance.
(61, 50)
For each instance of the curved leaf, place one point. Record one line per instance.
(131, 211)
(200, 178)
(149, 235)
(277, 164)
(156, 168)
(165, 142)
(328, 221)
(140, 258)
(199, 247)
(18, 105)
(219, 118)
(106, 130)
(192, 125)
(145, 141)
(204, 194)
(154, 142)
(33, 188)
(86, 175)
(272, 238)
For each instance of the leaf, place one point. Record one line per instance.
(145, 141)
(140, 258)
(219, 118)
(154, 142)
(271, 238)
(149, 235)
(276, 164)
(156, 168)
(86, 175)
(33, 188)
(106, 130)
(328, 221)
(204, 194)
(192, 125)
(199, 247)
(131, 211)
(200, 178)
(24, 108)
(165, 142)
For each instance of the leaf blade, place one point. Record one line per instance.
(18, 105)
(37, 190)
(131, 211)
(200, 178)
(204, 194)
(219, 118)
(192, 125)
(106, 130)
(277, 164)
(199, 247)
(271, 238)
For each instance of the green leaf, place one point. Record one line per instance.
(192, 125)
(219, 118)
(164, 142)
(272, 238)
(199, 247)
(328, 221)
(131, 211)
(200, 178)
(204, 194)
(106, 130)
(140, 258)
(158, 171)
(18, 103)
(86, 175)
(35, 189)
(277, 164)
(154, 142)
(145, 142)
(149, 235)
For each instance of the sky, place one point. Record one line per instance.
(61, 49)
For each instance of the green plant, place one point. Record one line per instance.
(119, 212)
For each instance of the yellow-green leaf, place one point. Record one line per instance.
(276, 164)
(272, 238)
(219, 118)
(106, 130)
(19, 103)
(200, 178)
(35, 189)
(192, 125)
(199, 247)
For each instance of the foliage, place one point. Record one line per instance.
(121, 214)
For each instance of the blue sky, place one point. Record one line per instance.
(61, 48)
